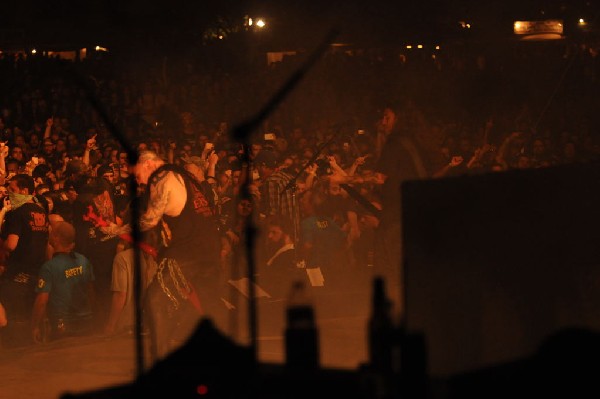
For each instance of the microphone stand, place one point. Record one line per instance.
(132, 156)
(242, 133)
(294, 187)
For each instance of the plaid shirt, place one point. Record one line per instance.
(273, 202)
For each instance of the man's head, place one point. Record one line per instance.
(21, 184)
(40, 173)
(255, 150)
(265, 162)
(62, 237)
(147, 163)
(34, 140)
(123, 158)
(387, 121)
(13, 166)
(244, 207)
(48, 147)
(75, 167)
(61, 146)
(17, 153)
(279, 231)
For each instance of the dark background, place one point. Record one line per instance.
(292, 23)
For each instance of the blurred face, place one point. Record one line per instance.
(275, 234)
(334, 189)
(12, 168)
(48, 147)
(142, 172)
(254, 150)
(288, 163)
(61, 146)
(244, 208)
(388, 119)
(223, 178)
(17, 153)
(20, 141)
(34, 140)
(187, 149)
(71, 195)
(186, 118)
(123, 158)
(538, 147)
(235, 176)
(307, 154)
(73, 142)
(14, 188)
(110, 176)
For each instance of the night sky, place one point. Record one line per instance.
(292, 22)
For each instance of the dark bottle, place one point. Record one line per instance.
(301, 335)
(380, 330)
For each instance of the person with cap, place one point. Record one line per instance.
(275, 200)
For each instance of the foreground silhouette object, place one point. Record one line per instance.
(208, 363)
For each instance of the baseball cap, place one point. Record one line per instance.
(267, 158)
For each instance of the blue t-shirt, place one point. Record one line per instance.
(66, 278)
(327, 239)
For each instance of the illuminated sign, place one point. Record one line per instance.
(551, 26)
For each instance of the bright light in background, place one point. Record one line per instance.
(464, 25)
(409, 46)
(581, 21)
(34, 51)
(419, 46)
(100, 48)
(546, 27)
(437, 47)
(254, 23)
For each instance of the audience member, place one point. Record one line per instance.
(64, 289)
(25, 237)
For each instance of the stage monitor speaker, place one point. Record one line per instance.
(496, 263)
